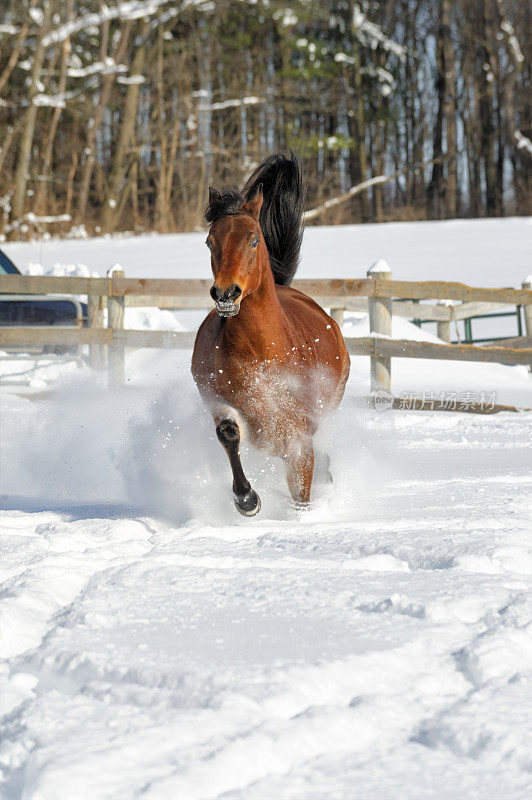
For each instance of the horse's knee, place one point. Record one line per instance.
(228, 432)
(246, 499)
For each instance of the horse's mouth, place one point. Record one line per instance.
(227, 309)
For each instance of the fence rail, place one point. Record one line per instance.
(358, 346)
(184, 289)
(378, 294)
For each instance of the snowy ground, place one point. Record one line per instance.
(154, 644)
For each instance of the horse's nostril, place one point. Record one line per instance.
(228, 296)
(231, 293)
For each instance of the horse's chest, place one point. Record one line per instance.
(276, 398)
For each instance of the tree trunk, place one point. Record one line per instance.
(486, 79)
(42, 191)
(15, 53)
(92, 133)
(127, 131)
(26, 142)
(435, 187)
(442, 190)
(449, 107)
(161, 208)
(360, 160)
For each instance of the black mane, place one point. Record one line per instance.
(223, 205)
(279, 178)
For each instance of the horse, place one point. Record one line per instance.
(268, 361)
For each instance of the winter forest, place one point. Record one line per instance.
(118, 115)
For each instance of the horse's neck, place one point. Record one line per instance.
(261, 315)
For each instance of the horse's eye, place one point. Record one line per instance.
(254, 242)
(209, 244)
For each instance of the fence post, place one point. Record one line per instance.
(95, 321)
(338, 316)
(527, 284)
(380, 322)
(115, 320)
(444, 328)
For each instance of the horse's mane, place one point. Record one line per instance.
(223, 205)
(281, 214)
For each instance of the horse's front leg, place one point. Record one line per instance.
(299, 470)
(322, 467)
(247, 500)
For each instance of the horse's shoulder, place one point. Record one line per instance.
(290, 297)
(206, 337)
(210, 327)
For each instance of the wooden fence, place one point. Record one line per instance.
(377, 293)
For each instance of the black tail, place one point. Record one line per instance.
(281, 213)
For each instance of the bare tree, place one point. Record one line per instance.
(122, 114)
(30, 117)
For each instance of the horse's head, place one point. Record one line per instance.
(235, 241)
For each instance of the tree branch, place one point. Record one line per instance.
(365, 185)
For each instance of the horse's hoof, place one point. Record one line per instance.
(299, 506)
(248, 504)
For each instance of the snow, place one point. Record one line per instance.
(286, 17)
(493, 252)
(129, 10)
(508, 29)
(155, 644)
(32, 219)
(373, 36)
(132, 79)
(379, 266)
(37, 15)
(343, 58)
(235, 103)
(523, 142)
(106, 67)
(52, 101)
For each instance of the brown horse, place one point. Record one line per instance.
(269, 362)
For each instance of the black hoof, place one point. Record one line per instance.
(248, 504)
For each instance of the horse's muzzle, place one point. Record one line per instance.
(227, 309)
(227, 302)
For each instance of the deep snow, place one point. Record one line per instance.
(154, 644)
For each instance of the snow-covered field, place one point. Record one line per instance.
(154, 644)
(492, 252)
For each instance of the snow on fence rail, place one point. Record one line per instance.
(378, 293)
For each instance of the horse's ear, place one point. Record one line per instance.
(214, 194)
(254, 205)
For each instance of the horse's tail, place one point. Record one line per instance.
(281, 213)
